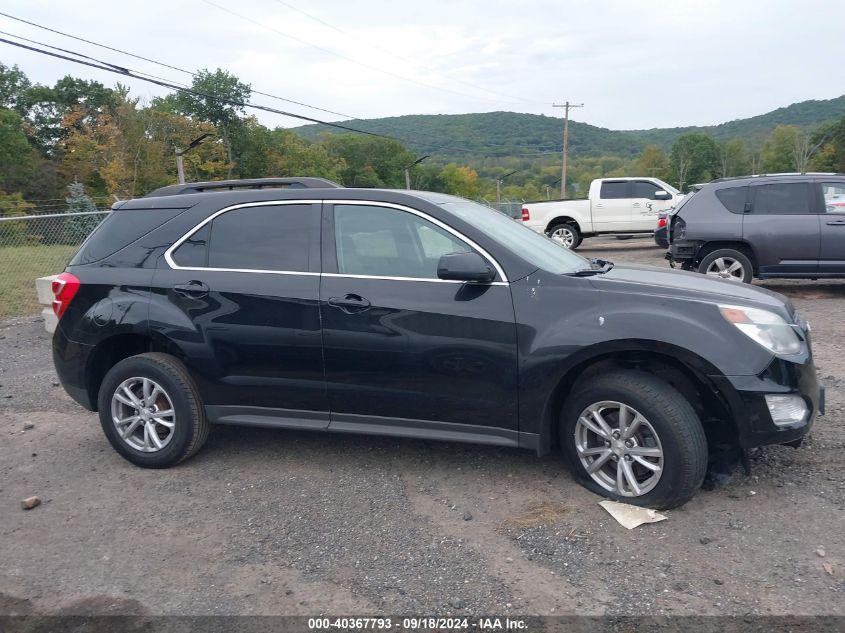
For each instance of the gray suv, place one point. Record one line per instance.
(785, 225)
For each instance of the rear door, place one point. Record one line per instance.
(782, 228)
(405, 351)
(832, 226)
(612, 210)
(239, 296)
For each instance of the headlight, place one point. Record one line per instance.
(764, 327)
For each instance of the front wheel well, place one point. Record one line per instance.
(563, 219)
(710, 407)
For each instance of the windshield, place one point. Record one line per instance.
(530, 246)
(667, 187)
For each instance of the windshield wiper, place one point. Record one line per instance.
(597, 267)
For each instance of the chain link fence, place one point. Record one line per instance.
(511, 207)
(33, 246)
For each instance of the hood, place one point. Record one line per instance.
(680, 284)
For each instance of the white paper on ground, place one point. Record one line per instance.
(631, 516)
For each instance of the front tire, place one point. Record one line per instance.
(565, 234)
(633, 438)
(151, 411)
(727, 263)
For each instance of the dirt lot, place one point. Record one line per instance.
(282, 522)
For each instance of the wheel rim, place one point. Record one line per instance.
(563, 236)
(727, 268)
(619, 448)
(143, 415)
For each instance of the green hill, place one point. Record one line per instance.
(474, 137)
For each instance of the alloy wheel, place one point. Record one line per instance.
(563, 236)
(619, 448)
(726, 268)
(143, 414)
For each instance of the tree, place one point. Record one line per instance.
(694, 158)
(218, 98)
(732, 161)
(76, 229)
(16, 155)
(653, 162)
(460, 180)
(13, 233)
(831, 154)
(778, 152)
(14, 86)
(369, 161)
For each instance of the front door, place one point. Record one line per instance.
(240, 297)
(612, 210)
(644, 208)
(407, 353)
(832, 224)
(782, 228)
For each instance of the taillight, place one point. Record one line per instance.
(525, 215)
(661, 223)
(64, 288)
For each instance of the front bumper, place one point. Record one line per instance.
(745, 398)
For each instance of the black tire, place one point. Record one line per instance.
(190, 428)
(726, 254)
(571, 229)
(673, 419)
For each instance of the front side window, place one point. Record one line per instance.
(834, 196)
(274, 238)
(614, 190)
(644, 189)
(788, 198)
(385, 242)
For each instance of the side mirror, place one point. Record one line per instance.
(465, 267)
(662, 195)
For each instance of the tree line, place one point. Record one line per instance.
(107, 142)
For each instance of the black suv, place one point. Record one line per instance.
(293, 303)
(787, 225)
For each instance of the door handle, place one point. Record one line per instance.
(637, 204)
(836, 223)
(193, 289)
(350, 303)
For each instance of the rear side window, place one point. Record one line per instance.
(733, 198)
(614, 190)
(834, 196)
(276, 237)
(118, 230)
(787, 198)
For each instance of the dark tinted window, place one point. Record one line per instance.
(118, 230)
(644, 189)
(262, 238)
(782, 198)
(387, 242)
(614, 190)
(733, 198)
(193, 252)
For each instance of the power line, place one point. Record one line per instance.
(342, 56)
(134, 74)
(152, 61)
(395, 54)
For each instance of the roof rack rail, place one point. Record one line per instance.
(249, 183)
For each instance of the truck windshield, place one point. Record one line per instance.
(667, 187)
(537, 249)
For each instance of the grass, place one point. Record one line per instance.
(20, 266)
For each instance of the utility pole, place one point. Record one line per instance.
(180, 165)
(499, 189)
(407, 169)
(566, 107)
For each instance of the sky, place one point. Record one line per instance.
(634, 65)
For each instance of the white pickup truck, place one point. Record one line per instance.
(621, 206)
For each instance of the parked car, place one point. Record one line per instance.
(785, 225)
(417, 315)
(661, 232)
(614, 206)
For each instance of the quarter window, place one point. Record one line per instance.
(782, 199)
(614, 190)
(733, 198)
(834, 196)
(274, 238)
(386, 242)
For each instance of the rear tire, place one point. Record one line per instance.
(727, 263)
(565, 234)
(151, 411)
(665, 434)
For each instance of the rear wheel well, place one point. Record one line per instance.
(695, 387)
(108, 353)
(564, 219)
(742, 247)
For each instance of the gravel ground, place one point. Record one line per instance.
(283, 522)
